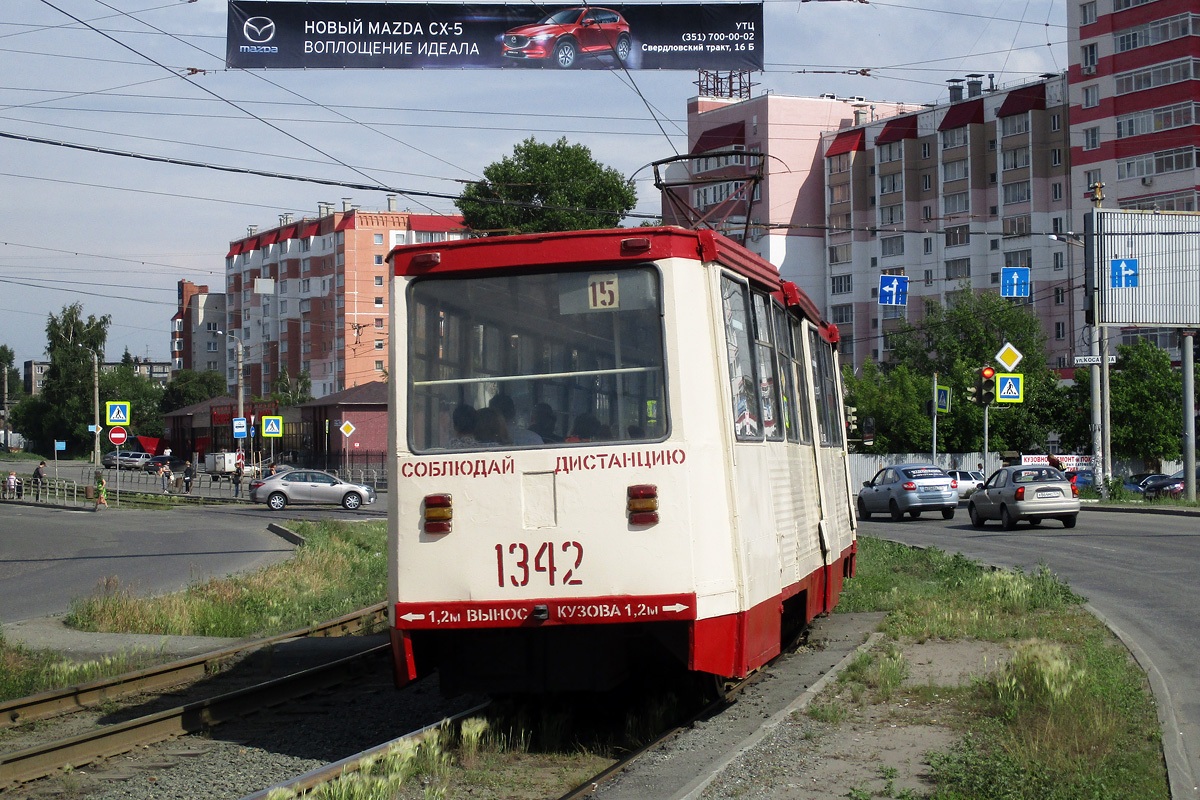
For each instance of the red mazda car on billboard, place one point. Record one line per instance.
(563, 36)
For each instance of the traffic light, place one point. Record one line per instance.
(851, 419)
(987, 386)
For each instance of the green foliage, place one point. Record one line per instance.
(145, 398)
(63, 410)
(189, 387)
(896, 399)
(546, 187)
(288, 392)
(954, 341)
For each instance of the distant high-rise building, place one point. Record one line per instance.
(194, 343)
(311, 296)
(1135, 81)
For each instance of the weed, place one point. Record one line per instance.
(832, 711)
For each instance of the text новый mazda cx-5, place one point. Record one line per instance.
(563, 36)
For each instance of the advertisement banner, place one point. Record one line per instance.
(349, 35)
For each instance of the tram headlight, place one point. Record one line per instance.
(642, 504)
(438, 511)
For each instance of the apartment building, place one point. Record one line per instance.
(312, 296)
(1134, 84)
(194, 343)
(33, 373)
(730, 140)
(950, 196)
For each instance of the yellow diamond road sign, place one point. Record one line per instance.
(1008, 357)
(346, 428)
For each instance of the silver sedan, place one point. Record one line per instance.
(1030, 493)
(309, 486)
(908, 489)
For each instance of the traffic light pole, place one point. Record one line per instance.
(986, 456)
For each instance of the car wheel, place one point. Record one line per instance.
(976, 519)
(623, 48)
(1035, 520)
(947, 513)
(351, 501)
(1069, 522)
(1007, 520)
(896, 513)
(862, 510)
(565, 53)
(277, 501)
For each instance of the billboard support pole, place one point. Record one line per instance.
(1187, 362)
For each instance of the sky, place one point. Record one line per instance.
(148, 77)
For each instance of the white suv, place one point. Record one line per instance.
(968, 481)
(128, 460)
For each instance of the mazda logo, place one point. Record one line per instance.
(259, 30)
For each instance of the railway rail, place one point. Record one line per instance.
(47, 758)
(73, 698)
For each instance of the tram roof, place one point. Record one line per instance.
(612, 245)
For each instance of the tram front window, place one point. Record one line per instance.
(535, 360)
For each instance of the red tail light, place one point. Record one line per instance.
(437, 513)
(1020, 495)
(642, 504)
(910, 487)
(1074, 490)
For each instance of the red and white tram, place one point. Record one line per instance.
(613, 449)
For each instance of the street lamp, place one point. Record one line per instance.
(241, 373)
(95, 405)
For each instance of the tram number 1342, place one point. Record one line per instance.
(518, 563)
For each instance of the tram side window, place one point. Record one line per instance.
(764, 349)
(747, 415)
(536, 360)
(788, 371)
(829, 417)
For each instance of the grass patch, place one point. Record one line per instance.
(1070, 717)
(341, 567)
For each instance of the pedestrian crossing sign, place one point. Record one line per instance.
(1010, 387)
(272, 427)
(116, 412)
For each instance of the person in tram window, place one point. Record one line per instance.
(585, 429)
(490, 428)
(507, 409)
(464, 420)
(544, 422)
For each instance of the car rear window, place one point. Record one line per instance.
(1039, 475)
(925, 472)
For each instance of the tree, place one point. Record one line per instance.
(1146, 396)
(546, 187)
(63, 410)
(956, 340)
(286, 392)
(144, 397)
(188, 387)
(895, 398)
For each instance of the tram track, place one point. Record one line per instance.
(103, 740)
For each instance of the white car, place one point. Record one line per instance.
(968, 481)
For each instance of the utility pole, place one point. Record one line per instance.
(7, 427)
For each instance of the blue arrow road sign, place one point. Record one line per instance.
(1014, 282)
(893, 290)
(1124, 273)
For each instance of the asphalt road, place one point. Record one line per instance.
(50, 555)
(1137, 570)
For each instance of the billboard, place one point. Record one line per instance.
(1144, 267)
(363, 35)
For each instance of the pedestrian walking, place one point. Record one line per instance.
(39, 481)
(237, 479)
(165, 472)
(101, 492)
(188, 474)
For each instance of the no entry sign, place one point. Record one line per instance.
(117, 435)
